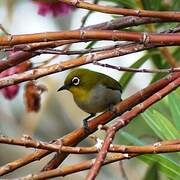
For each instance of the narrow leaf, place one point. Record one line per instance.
(127, 76)
(162, 127)
(174, 105)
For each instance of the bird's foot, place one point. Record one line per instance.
(112, 108)
(85, 126)
(85, 123)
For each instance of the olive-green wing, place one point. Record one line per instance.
(111, 83)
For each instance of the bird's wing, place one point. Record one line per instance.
(111, 83)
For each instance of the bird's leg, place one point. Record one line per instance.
(85, 122)
(111, 108)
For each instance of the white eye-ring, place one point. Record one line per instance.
(75, 81)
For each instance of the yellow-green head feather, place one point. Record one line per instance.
(88, 79)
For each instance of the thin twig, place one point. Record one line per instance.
(120, 68)
(78, 167)
(51, 69)
(73, 168)
(123, 172)
(119, 109)
(82, 51)
(175, 15)
(4, 30)
(159, 147)
(124, 120)
(109, 25)
(73, 138)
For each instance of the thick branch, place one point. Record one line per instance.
(110, 25)
(73, 168)
(43, 71)
(159, 147)
(142, 37)
(124, 120)
(79, 167)
(78, 135)
(17, 57)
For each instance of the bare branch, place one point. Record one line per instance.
(82, 166)
(119, 68)
(159, 147)
(128, 12)
(141, 37)
(124, 120)
(44, 71)
(78, 135)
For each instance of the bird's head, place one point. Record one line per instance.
(78, 82)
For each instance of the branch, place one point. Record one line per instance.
(15, 59)
(104, 118)
(82, 166)
(73, 168)
(81, 51)
(159, 147)
(109, 25)
(127, 12)
(142, 37)
(119, 68)
(73, 138)
(124, 120)
(44, 71)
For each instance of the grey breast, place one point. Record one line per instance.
(100, 99)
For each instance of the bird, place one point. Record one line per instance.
(93, 92)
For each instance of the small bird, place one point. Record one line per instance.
(92, 91)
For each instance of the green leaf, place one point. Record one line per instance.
(176, 53)
(131, 138)
(151, 4)
(174, 105)
(91, 44)
(169, 167)
(159, 62)
(128, 3)
(127, 76)
(152, 173)
(162, 127)
(165, 165)
(125, 4)
(157, 58)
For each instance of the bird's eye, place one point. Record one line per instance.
(76, 81)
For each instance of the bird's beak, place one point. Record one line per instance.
(62, 88)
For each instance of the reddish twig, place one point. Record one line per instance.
(78, 135)
(80, 52)
(80, 166)
(119, 68)
(15, 58)
(128, 12)
(44, 71)
(73, 168)
(120, 108)
(110, 25)
(124, 120)
(159, 147)
(142, 37)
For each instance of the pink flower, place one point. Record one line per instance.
(9, 92)
(55, 7)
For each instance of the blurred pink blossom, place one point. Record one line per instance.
(55, 7)
(9, 92)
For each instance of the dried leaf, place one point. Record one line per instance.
(32, 96)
